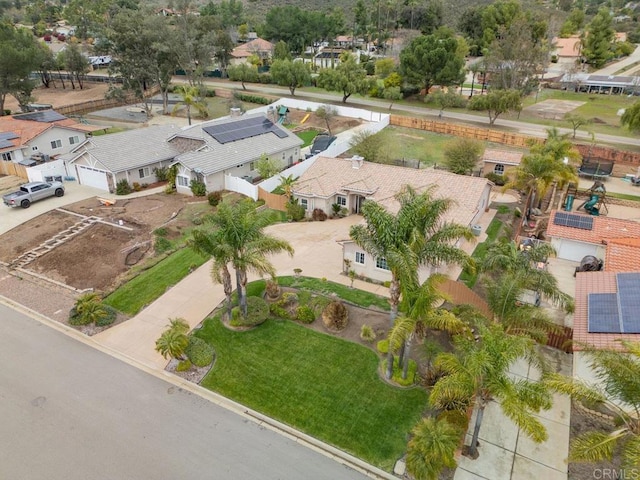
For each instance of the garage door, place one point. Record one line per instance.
(572, 250)
(92, 177)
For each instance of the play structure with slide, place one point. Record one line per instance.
(595, 203)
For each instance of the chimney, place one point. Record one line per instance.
(235, 112)
(356, 162)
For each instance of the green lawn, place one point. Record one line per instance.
(131, 297)
(307, 137)
(322, 385)
(624, 196)
(352, 295)
(480, 252)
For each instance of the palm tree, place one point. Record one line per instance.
(414, 236)
(420, 313)
(432, 448)
(211, 244)
(240, 228)
(190, 98)
(173, 341)
(286, 184)
(478, 371)
(618, 375)
(89, 308)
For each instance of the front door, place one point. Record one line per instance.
(359, 202)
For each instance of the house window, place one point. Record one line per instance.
(381, 263)
(7, 157)
(360, 258)
(252, 166)
(144, 172)
(182, 181)
(342, 201)
(283, 156)
(56, 144)
(498, 169)
(305, 203)
(34, 148)
(73, 140)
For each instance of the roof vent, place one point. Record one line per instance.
(356, 162)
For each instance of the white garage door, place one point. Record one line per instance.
(92, 177)
(572, 250)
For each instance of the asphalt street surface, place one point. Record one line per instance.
(69, 412)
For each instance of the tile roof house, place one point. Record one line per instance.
(101, 162)
(573, 243)
(349, 182)
(260, 47)
(500, 161)
(45, 132)
(567, 47)
(231, 146)
(622, 255)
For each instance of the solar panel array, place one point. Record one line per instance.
(563, 219)
(629, 301)
(616, 312)
(5, 137)
(41, 116)
(241, 129)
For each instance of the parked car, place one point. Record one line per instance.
(32, 192)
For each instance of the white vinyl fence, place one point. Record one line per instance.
(46, 172)
(237, 184)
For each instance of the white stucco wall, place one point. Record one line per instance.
(43, 141)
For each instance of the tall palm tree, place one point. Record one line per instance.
(415, 235)
(174, 341)
(478, 370)
(286, 184)
(618, 389)
(432, 448)
(240, 227)
(190, 99)
(212, 244)
(420, 310)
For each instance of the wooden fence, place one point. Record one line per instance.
(10, 168)
(272, 200)
(102, 103)
(561, 340)
(460, 294)
(486, 134)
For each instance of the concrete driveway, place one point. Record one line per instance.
(12, 217)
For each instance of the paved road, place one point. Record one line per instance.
(71, 412)
(522, 127)
(612, 68)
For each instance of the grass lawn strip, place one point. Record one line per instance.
(325, 386)
(131, 297)
(481, 251)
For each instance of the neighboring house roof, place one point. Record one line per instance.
(337, 176)
(27, 127)
(604, 229)
(502, 156)
(214, 156)
(128, 150)
(329, 53)
(256, 46)
(620, 37)
(585, 79)
(567, 47)
(344, 38)
(623, 255)
(589, 283)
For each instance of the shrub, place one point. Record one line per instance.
(335, 316)
(90, 309)
(462, 155)
(278, 311)
(214, 198)
(136, 187)
(199, 352)
(183, 366)
(318, 304)
(162, 174)
(198, 188)
(383, 346)
(257, 313)
(319, 215)
(272, 288)
(76, 319)
(109, 318)
(160, 232)
(367, 334)
(162, 244)
(123, 187)
(197, 220)
(499, 180)
(305, 314)
(295, 211)
(335, 208)
(244, 97)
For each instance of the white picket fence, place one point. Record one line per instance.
(237, 184)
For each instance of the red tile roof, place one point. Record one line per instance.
(567, 47)
(623, 255)
(255, 46)
(594, 282)
(502, 156)
(27, 130)
(604, 229)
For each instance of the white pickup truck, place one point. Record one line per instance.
(32, 192)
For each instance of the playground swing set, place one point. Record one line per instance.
(596, 202)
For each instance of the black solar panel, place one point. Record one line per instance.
(629, 301)
(46, 116)
(241, 129)
(5, 137)
(583, 222)
(603, 313)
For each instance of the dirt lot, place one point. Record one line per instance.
(96, 257)
(58, 97)
(338, 124)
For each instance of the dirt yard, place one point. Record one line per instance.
(59, 97)
(338, 124)
(96, 257)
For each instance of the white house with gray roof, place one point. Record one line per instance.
(231, 146)
(103, 161)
